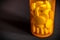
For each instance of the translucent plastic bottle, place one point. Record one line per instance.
(42, 17)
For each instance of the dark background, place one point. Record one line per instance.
(15, 21)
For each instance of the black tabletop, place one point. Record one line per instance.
(15, 21)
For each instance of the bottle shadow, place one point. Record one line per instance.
(23, 25)
(20, 25)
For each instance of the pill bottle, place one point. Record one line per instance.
(42, 17)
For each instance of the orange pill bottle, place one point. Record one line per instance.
(42, 17)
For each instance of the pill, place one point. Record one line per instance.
(46, 30)
(37, 13)
(40, 20)
(39, 3)
(34, 28)
(42, 31)
(38, 30)
(33, 6)
(48, 5)
(49, 23)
